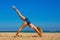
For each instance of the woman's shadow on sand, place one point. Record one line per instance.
(27, 36)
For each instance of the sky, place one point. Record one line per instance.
(42, 13)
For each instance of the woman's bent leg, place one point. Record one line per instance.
(22, 26)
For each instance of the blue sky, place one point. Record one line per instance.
(42, 13)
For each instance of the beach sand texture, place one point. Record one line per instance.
(29, 36)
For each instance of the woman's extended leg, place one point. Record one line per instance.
(18, 12)
(22, 26)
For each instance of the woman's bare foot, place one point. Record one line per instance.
(16, 36)
(13, 7)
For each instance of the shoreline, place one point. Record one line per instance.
(29, 32)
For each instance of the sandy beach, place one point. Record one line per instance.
(29, 36)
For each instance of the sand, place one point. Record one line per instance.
(29, 36)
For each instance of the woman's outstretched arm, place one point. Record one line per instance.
(18, 12)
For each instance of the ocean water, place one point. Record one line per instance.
(34, 31)
(27, 29)
(31, 31)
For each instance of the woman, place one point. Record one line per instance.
(26, 22)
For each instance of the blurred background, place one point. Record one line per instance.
(42, 13)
